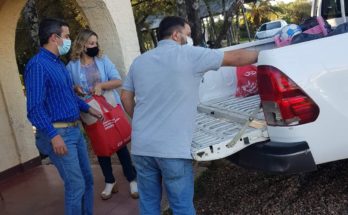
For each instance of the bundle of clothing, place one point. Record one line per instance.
(311, 29)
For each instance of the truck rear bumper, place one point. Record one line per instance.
(276, 157)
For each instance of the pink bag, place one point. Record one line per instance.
(315, 25)
(281, 43)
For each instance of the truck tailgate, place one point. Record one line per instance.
(220, 121)
(222, 117)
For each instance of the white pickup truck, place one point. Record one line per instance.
(298, 120)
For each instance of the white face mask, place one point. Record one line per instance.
(189, 41)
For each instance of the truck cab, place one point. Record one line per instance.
(333, 11)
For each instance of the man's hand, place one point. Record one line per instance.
(96, 113)
(79, 91)
(59, 146)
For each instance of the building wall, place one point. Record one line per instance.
(8, 151)
(112, 20)
(16, 134)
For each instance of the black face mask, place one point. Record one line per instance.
(92, 52)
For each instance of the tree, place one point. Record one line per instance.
(28, 24)
(181, 8)
(31, 17)
(194, 18)
(263, 11)
(211, 19)
(228, 17)
(142, 9)
(297, 11)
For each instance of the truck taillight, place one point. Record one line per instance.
(284, 103)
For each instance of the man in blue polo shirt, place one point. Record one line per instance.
(165, 83)
(53, 108)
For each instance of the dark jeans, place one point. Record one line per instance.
(126, 162)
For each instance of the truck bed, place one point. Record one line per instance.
(222, 117)
(219, 121)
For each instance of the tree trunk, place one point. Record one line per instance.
(246, 23)
(139, 26)
(181, 8)
(227, 22)
(237, 28)
(153, 37)
(225, 26)
(193, 17)
(234, 32)
(140, 39)
(31, 17)
(212, 22)
(229, 37)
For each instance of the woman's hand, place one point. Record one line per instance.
(79, 91)
(98, 89)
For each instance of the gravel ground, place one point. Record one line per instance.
(225, 189)
(229, 189)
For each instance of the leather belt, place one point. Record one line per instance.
(65, 124)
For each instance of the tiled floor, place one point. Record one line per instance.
(39, 191)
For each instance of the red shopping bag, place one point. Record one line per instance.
(246, 81)
(113, 133)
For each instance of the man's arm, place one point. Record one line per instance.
(239, 57)
(128, 101)
(35, 86)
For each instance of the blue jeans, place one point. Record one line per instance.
(126, 162)
(177, 176)
(74, 169)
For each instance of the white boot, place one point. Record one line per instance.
(134, 189)
(109, 189)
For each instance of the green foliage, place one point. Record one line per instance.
(261, 12)
(142, 9)
(297, 11)
(67, 10)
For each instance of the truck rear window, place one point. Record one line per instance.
(332, 8)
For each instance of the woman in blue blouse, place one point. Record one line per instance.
(93, 73)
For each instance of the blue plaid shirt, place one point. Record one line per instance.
(50, 95)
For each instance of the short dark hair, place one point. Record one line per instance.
(168, 25)
(48, 27)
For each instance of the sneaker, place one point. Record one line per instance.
(134, 189)
(109, 189)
